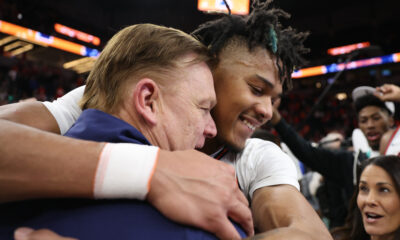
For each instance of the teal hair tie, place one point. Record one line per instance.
(274, 40)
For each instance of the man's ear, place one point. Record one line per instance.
(145, 96)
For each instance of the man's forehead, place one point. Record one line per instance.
(256, 57)
(370, 110)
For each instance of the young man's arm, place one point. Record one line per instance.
(66, 167)
(282, 212)
(37, 164)
(269, 177)
(33, 114)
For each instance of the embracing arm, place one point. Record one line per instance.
(65, 167)
(281, 212)
(33, 114)
(37, 164)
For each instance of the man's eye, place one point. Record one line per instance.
(256, 90)
(205, 109)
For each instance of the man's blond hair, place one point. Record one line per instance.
(142, 50)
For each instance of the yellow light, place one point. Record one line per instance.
(14, 45)
(79, 61)
(23, 49)
(341, 96)
(7, 40)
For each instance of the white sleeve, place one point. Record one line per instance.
(66, 109)
(264, 164)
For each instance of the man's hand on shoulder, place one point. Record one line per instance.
(192, 188)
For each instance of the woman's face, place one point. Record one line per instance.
(379, 203)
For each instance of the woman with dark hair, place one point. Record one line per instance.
(375, 207)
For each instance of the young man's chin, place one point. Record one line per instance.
(234, 147)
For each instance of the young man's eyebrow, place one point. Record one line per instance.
(269, 83)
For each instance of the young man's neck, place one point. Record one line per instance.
(211, 146)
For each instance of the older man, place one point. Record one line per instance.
(138, 91)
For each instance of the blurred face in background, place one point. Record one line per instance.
(379, 203)
(374, 122)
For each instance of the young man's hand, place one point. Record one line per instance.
(194, 189)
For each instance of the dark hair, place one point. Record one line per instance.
(370, 100)
(354, 228)
(259, 29)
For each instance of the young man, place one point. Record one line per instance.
(367, 137)
(255, 55)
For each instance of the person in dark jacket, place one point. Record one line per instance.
(339, 166)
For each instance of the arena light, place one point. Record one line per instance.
(80, 65)
(341, 96)
(73, 33)
(7, 39)
(240, 7)
(76, 62)
(20, 50)
(347, 49)
(14, 45)
(46, 40)
(332, 68)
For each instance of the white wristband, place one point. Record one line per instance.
(125, 170)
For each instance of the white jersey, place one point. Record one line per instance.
(295, 160)
(360, 143)
(261, 164)
(66, 109)
(393, 147)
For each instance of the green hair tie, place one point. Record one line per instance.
(274, 40)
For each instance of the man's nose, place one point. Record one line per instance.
(264, 110)
(370, 123)
(210, 129)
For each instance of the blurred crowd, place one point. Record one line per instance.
(21, 79)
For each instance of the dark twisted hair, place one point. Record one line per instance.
(261, 28)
